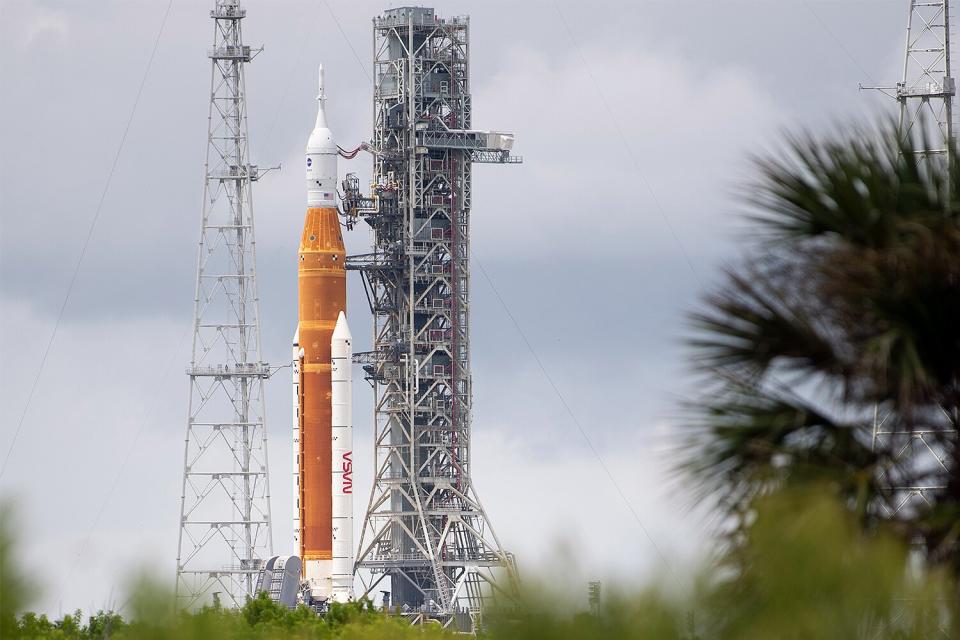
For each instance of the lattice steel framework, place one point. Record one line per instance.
(225, 530)
(925, 95)
(425, 527)
(926, 92)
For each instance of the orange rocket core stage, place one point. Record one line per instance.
(323, 295)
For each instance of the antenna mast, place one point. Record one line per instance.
(925, 95)
(225, 530)
(926, 91)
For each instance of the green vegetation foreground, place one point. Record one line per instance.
(850, 302)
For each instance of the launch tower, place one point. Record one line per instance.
(225, 507)
(425, 528)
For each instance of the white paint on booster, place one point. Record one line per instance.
(341, 350)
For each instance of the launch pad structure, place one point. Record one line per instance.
(425, 528)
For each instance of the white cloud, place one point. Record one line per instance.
(94, 473)
(690, 101)
(564, 518)
(34, 23)
(583, 187)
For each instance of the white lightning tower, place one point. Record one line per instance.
(926, 91)
(926, 96)
(225, 531)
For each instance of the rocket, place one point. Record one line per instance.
(322, 355)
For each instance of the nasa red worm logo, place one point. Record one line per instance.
(348, 472)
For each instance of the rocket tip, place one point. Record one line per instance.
(341, 330)
(320, 95)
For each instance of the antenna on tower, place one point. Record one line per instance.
(926, 91)
(926, 96)
(225, 530)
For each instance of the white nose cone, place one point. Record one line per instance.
(341, 331)
(321, 158)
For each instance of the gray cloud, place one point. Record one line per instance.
(571, 239)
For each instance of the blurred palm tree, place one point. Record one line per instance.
(849, 305)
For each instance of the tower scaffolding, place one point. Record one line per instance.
(926, 91)
(925, 96)
(225, 525)
(425, 528)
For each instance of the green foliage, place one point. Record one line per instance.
(806, 569)
(852, 303)
(259, 619)
(16, 590)
(105, 624)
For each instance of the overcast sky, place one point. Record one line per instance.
(635, 135)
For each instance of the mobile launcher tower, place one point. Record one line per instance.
(425, 528)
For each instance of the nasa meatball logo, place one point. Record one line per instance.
(309, 162)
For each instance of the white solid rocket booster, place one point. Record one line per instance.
(297, 358)
(341, 351)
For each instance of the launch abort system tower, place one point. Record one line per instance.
(225, 507)
(425, 528)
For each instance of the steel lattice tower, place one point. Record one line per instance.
(926, 91)
(925, 95)
(225, 530)
(425, 527)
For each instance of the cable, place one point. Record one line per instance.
(126, 459)
(286, 88)
(347, 40)
(296, 66)
(839, 42)
(167, 369)
(623, 140)
(86, 242)
(523, 335)
(576, 422)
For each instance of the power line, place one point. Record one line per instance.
(108, 495)
(523, 335)
(626, 145)
(286, 88)
(296, 66)
(526, 341)
(86, 242)
(126, 459)
(347, 40)
(839, 42)
(656, 201)
(576, 421)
